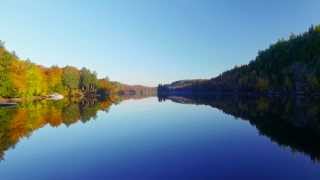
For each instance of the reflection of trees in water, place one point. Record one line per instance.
(88, 109)
(20, 122)
(290, 123)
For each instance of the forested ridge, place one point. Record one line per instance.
(24, 79)
(290, 66)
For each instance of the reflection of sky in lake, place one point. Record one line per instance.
(145, 139)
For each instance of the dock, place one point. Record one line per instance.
(8, 104)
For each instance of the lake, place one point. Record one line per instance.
(161, 138)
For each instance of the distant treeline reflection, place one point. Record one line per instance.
(21, 121)
(289, 122)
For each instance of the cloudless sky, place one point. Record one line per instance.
(150, 41)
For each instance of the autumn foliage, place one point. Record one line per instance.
(24, 79)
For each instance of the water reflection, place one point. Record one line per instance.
(289, 122)
(21, 121)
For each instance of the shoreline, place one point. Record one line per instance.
(12, 101)
(235, 93)
(16, 100)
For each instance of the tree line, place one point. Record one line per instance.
(290, 66)
(24, 79)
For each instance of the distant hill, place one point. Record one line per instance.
(136, 90)
(290, 66)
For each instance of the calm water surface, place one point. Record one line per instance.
(148, 139)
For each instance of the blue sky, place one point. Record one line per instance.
(150, 41)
